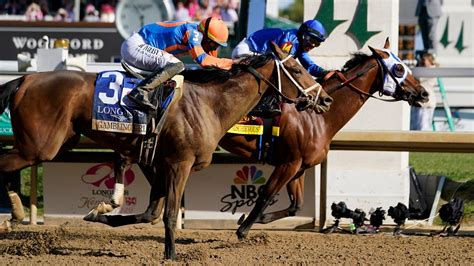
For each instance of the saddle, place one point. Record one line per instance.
(164, 97)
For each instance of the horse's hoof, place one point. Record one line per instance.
(171, 255)
(18, 214)
(156, 221)
(92, 216)
(103, 208)
(241, 235)
(5, 227)
(242, 219)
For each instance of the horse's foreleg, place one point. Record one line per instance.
(155, 179)
(176, 179)
(18, 214)
(9, 163)
(117, 199)
(295, 189)
(120, 165)
(149, 216)
(279, 178)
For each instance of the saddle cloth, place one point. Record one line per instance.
(253, 125)
(114, 112)
(266, 131)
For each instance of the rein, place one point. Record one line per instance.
(348, 82)
(280, 64)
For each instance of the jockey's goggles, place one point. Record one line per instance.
(311, 40)
(213, 44)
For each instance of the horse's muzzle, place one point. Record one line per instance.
(421, 97)
(324, 103)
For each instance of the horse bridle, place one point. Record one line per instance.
(280, 65)
(348, 82)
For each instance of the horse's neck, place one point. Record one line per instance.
(240, 93)
(347, 102)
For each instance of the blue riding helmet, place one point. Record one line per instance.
(313, 28)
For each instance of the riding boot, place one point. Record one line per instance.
(140, 94)
(268, 106)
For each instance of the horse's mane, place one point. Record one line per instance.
(204, 75)
(357, 59)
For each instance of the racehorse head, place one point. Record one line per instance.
(294, 75)
(398, 80)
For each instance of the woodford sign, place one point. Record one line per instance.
(101, 41)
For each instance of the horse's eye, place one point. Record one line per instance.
(297, 71)
(398, 70)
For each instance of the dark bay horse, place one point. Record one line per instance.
(49, 112)
(305, 136)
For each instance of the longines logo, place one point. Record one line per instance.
(101, 178)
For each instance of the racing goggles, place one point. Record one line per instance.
(311, 40)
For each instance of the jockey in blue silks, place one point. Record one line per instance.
(297, 42)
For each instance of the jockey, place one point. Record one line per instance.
(297, 42)
(156, 46)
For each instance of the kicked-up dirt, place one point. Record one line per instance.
(85, 243)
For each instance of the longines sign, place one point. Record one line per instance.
(100, 41)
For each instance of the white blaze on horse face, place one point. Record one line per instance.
(114, 86)
(391, 62)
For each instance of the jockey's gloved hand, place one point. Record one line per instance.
(240, 60)
(322, 75)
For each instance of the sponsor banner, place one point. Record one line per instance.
(226, 191)
(100, 41)
(5, 124)
(76, 188)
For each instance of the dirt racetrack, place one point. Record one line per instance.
(82, 242)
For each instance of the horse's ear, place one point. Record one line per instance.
(277, 50)
(377, 52)
(387, 43)
(372, 49)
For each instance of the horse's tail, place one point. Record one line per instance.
(7, 90)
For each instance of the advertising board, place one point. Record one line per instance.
(72, 189)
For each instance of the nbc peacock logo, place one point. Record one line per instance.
(249, 173)
(244, 191)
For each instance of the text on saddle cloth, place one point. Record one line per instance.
(113, 112)
(252, 125)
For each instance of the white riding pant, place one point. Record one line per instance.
(242, 49)
(137, 53)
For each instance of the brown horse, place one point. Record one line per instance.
(49, 112)
(305, 137)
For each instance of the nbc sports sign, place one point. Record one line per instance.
(217, 196)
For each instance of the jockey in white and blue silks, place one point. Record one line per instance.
(297, 42)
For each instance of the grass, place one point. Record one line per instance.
(458, 168)
(455, 166)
